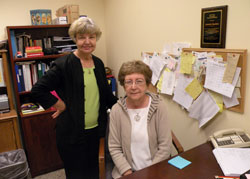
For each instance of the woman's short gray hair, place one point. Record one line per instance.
(135, 66)
(84, 25)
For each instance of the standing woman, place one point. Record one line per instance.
(79, 79)
(139, 131)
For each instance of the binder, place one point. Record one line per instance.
(18, 79)
(21, 78)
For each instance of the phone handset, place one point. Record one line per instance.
(224, 132)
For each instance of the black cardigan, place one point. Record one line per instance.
(66, 78)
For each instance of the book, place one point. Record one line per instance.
(29, 108)
(33, 49)
(20, 73)
(18, 79)
(233, 161)
(39, 70)
(27, 77)
(35, 54)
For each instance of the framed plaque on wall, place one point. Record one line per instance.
(213, 27)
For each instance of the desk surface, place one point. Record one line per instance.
(203, 166)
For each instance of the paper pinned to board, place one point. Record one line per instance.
(180, 95)
(156, 65)
(187, 60)
(168, 82)
(194, 88)
(230, 102)
(203, 108)
(232, 61)
(214, 76)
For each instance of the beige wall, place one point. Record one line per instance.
(133, 26)
(18, 13)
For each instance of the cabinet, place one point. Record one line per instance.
(38, 128)
(9, 135)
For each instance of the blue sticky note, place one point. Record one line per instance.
(179, 162)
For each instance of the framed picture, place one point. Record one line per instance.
(213, 27)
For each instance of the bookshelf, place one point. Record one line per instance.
(38, 129)
(9, 138)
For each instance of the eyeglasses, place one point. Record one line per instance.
(138, 82)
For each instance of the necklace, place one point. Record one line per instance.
(89, 71)
(137, 117)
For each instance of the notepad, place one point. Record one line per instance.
(179, 162)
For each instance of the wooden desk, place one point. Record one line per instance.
(203, 166)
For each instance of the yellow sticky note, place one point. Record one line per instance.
(194, 88)
(187, 60)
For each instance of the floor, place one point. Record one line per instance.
(59, 174)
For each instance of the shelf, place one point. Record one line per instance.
(38, 26)
(8, 115)
(37, 113)
(39, 58)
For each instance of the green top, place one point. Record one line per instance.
(91, 98)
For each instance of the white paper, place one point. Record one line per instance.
(214, 76)
(168, 82)
(203, 108)
(180, 95)
(156, 65)
(230, 102)
(2, 83)
(233, 161)
(178, 46)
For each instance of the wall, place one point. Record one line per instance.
(135, 26)
(15, 13)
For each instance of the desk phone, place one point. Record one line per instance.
(230, 138)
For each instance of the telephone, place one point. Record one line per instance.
(230, 138)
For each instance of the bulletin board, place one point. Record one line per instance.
(223, 52)
(241, 63)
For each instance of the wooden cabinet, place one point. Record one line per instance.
(39, 137)
(38, 128)
(9, 133)
(9, 138)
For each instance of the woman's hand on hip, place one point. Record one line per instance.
(60, 107)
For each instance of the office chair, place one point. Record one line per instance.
(105, 161)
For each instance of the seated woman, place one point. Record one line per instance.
(139, 134)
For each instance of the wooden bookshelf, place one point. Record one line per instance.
(38, 128)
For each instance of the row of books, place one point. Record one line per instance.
(62, 44)
(27, 74)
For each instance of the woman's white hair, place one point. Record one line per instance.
(84, 25)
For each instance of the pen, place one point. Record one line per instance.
(224, 177)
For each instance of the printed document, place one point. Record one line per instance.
(233, 161)
(203, 108)
(168, 82)
(180, 95)
(214, 76)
